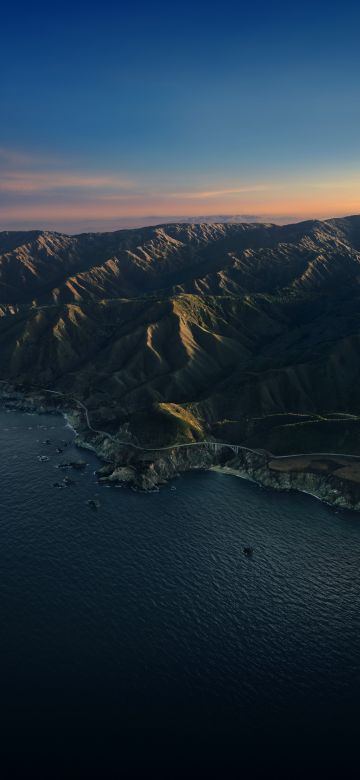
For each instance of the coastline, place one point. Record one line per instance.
(327, 488)
(124, 466)
(227, 471)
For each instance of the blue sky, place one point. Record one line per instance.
(113, 110)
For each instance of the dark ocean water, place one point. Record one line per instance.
(140, 634)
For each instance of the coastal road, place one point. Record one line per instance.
(215, 444)
(212, 443)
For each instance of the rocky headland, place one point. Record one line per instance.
(334, 479)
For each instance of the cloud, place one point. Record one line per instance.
(29, 181)
(14, 158)
(48, 192)
(22, 173)
(219, 193)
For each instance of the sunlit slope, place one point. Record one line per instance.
(130, 354)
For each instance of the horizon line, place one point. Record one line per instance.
(201, 220)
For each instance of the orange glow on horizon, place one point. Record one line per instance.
(42, 192)
(132, 207)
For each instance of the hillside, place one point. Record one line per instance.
(248, 333)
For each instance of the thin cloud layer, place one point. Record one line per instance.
(48, 193)
(22, 181)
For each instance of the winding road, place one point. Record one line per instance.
(234, 447)
(215, 444)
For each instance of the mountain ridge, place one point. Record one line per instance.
(130, 262)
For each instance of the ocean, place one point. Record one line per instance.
(138, 635)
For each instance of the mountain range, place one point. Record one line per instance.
(238, 332)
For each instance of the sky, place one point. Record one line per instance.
(112, 113)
